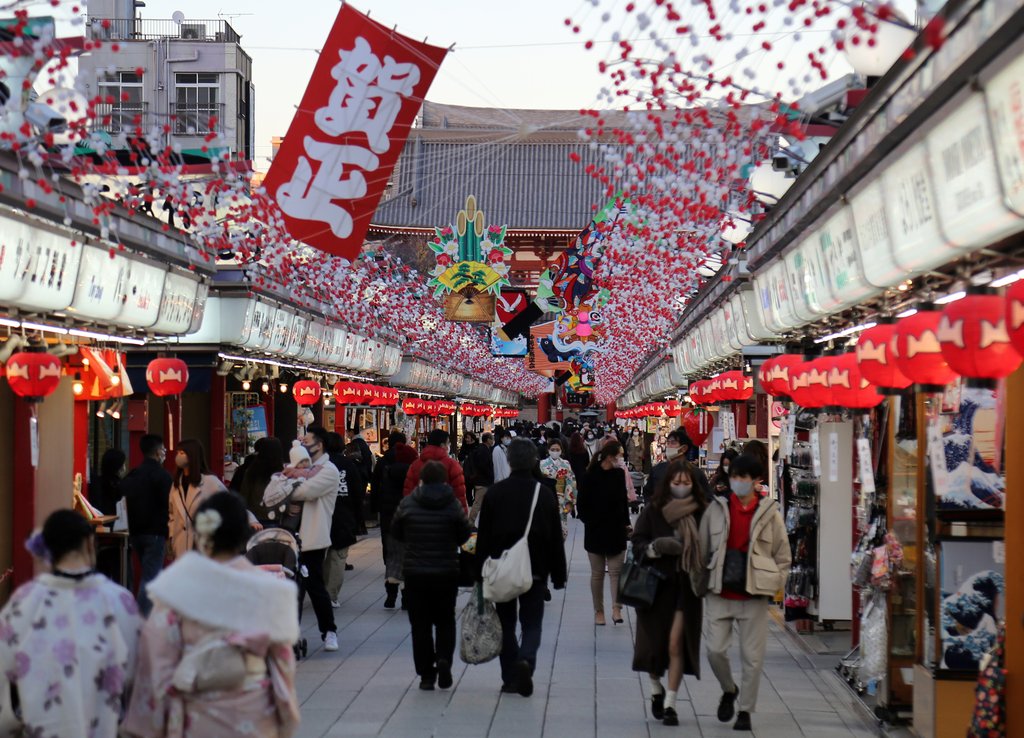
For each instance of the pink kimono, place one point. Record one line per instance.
(205, 614)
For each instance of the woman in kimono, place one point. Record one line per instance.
(193, 483)
(215, 657)
(557, 467)
(67, 641)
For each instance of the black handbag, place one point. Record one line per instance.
(638, 584)
(734, 571)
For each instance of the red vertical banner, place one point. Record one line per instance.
(344, 141)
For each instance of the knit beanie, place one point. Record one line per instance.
(298, 453)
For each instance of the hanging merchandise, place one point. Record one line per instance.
(697, 424)
(167, 377)
(989, 719)
(875, 357)
(874, 640)
(918, 352)
(973, 337)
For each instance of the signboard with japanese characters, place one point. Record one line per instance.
(352, 123)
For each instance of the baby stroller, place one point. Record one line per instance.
(277, 550)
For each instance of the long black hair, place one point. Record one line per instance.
(608, 450)
(663, 491)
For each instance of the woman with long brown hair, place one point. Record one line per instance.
(604, 509)
(193, 483)
(668, 633)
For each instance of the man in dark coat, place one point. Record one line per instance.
(432, 525)
(677, 445)
(482, 463)
(388, 484)
(146, 491)
(503, 518)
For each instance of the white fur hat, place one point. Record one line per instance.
(298, 453)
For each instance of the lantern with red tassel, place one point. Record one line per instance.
(306, 392)
(1015, 314)
(972, 335)
(167, 377)
(33, 374)
(918, 352)
(875, 358)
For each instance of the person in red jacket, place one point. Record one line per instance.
(437, 450)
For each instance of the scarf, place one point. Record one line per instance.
(678, 513)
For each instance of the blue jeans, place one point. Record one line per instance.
(530, 606)
(151, 557)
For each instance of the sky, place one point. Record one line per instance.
(507, 54)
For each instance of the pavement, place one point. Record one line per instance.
(584, 685)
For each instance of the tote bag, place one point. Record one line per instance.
(511, 575)
(638, 583)
(481, 630)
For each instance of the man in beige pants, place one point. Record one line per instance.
(744, 537)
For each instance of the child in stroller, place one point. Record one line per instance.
(276, 551)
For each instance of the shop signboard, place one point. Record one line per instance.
(256, 327)
(917, 243)
(176, 304)
(873, 236)
(333, 346)
(280, 330)
(100, 287)
(38, 268)
(252, 419)
(716, 322)
(713, 348)
(807, 282)
(143, 290)
(753, 318)
(838, 242)
(313, 346)
(199, 308)
(354, 348)
(971, 206)
(392, 361)
(737, 320)
(782, 300)
(1004, 98)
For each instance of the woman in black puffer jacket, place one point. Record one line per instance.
(432, 525)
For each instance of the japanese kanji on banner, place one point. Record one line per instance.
(344, 141)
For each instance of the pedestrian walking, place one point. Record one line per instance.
(68, 640)
(432, 525)
(318, 494)
(267, 461)
(388, 488)
(744, 540)
(557, 468)
(215, 657)
(146, 490)
(604, 509)
(437, 450)
(668, 632)
(344, 519)
(677, 445)
(481, 461)
(503, 519)
(193, 484)
(499, 454)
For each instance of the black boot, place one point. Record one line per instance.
(392, 589)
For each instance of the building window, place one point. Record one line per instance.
(196, 108)
(122, 106)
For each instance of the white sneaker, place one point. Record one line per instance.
(335, 604)
(331, 641)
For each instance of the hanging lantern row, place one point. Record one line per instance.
(476, 411)
(505, 412)
(731, 386)
(357, 393)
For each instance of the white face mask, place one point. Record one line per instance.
(671, 453)
(555, 454)
(506, 441)
(680, 491)
(741, 487)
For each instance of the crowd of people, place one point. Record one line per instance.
(209, 641)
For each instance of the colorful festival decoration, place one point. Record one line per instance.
(167, 377)
(509, 305)
(33, 374)
(875, 357)
(358, 393)
(918, 352)
(847, 385)
(351, 125)
(471, 267)
(306, 392)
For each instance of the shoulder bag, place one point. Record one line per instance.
(638, 583)
(511, 575)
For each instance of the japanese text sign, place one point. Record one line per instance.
(344, 141)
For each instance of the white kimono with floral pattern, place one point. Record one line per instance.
(68, 647)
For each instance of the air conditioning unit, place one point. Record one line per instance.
(194, 31)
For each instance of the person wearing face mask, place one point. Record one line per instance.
(743, 538)
(720, 482)
(668, 633)
(499, 454)
(635, 449)
(193, 483)
(592, 442)
(558, 468)
(677, 445)
(318, 494)
(147, 491)
(604, 509)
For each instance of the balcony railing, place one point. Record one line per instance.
(146, 29)
(197, 120)
(122, 118)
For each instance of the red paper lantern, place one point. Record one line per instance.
(33, 374)
(875, 357)
(764, 374)
(918, 352)
(781, 366)
(800, 388)
(167, 377)
(973, 337)
(847, 384)
(673, 409)
(306, 392)
(1015, 314)
(713, 390)
(819, 393)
